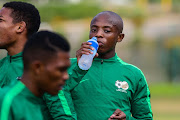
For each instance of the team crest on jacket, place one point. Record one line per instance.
(122, 86)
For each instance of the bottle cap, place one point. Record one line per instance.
(94, 38)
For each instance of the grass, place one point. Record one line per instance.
(165, 90)
(165, 99)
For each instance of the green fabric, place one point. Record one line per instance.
(54, 103)
(108, 85)
(64, 103)
(19, 103)
(6, 104)
(11, 67)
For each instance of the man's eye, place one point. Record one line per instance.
(106, 31)
(93, 30)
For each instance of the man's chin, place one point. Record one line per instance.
(54, 92)
(101, 53)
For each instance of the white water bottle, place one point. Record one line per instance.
(85, 61)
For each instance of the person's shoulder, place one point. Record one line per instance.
(8, 98)
(73, 60)
(3, 92)
(132, 68)
(2, 60)
(73, 64)
(11, 92)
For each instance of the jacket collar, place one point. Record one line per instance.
(113, 59)
(15, 57)
(29, 95)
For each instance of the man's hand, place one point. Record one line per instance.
(85, 49)
(118, 115)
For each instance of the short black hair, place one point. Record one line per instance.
(22, 11)
(115, 19)
(42, 46)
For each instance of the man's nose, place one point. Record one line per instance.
(99, 34)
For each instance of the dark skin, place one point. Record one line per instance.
(107, 29)
(107, 35)
(47, 76)
(13, 36)
(118, 115)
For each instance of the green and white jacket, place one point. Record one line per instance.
(17, 102)
(108, 85)
(11, 67)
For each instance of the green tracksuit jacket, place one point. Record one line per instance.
(63, 109)
(108, 85)
(11, 67)
(18, 103)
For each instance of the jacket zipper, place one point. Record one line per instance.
(102, 74)
(101, 61)
(10, 59)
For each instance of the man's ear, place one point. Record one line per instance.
(120, 37)
(37, 67)
(21, 26)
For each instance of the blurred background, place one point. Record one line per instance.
(152, 40)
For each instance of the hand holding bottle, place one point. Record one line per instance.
(86, 53)
(85, 49)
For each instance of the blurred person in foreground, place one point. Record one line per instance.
(111, 89)
(45, 60)
(18, 21)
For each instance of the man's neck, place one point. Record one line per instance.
(16, 47)
(14, 52)
(26, 79)
(107, 55)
